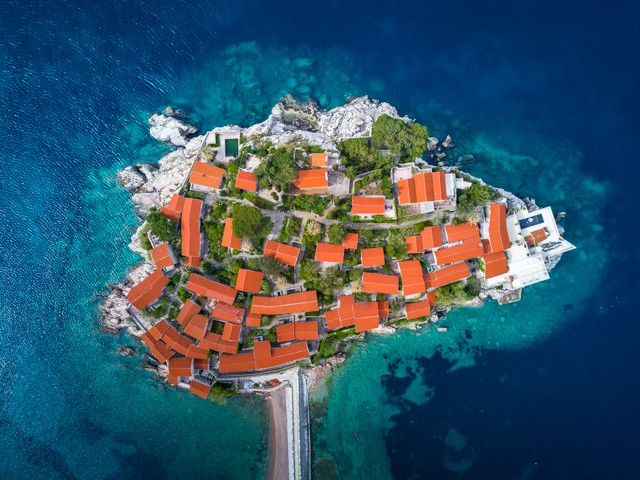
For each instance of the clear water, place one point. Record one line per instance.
(542, 94)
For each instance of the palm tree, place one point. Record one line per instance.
(313, 227)
(281, 283)
(247, 245)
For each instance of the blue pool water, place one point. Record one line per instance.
(543, 389)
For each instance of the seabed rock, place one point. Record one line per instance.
(170, 129)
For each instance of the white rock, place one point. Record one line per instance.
(170, 129)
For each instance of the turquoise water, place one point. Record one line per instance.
(544, 103)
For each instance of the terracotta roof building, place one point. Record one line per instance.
(431, 237)
(264, 356)
(364, 315)
(205, 176)
(231, 332)
(173, 211)
(330, 253)
(367, 205)
(197, 327)
(227, 313)
(379, 283)
(163, 257)
(468, 249)
(200, 389)
(372, 257)
(253, 320)
(310, 179)
(536, 237)
(246, 181)
(249, 281)
(318, 159)
(210, 289)
(148, 290)
(188, 310)
(418, 309)
(495, 264)
(302, 302)
(447, 275)
(422, 187)
(229, 239)
(412, 277)
(215, 342)
(180, 367)
(297, 331)
(414, 244)
(190, 230)
(283, 253)
(460, 232)
(350, 241)
(498, 235)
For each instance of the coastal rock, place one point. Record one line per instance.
(291, 119)
(127, 351)
(114, 314)
(170, 129)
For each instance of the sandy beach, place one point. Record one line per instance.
(278, 444)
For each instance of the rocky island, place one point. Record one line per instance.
(267, 249)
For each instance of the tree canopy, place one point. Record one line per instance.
(396, 246)
(359, 156)
(278, 170)
(249, 222)
(401, 138)
(162, 228)
(336, 233)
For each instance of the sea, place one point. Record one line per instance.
(544, 95)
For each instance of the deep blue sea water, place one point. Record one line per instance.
(543, 93)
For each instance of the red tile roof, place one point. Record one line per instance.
(263, 356)
(447, 275)
(174, 209)
(431, 237)
(372, 257)
(157, 331)
(148, 290)
(213, 341)
(498, 235)
(364, 315)
(308, 179)
(412, 277)
(197, 327)
(418, 309)
(461, 232)
(414, 244)
(367, 205)
(196, 352)
(190, 228)
(227, 313)
(283, 253)
(249, 281)
(200, 389)
(330, 253)
(293, 303)
(246, 181)
(379, 283)
(229, 240)
(422, 187)
(201, 363)
(188, 310)
(231, 332)
(350, 241)
(318, 159)
(157, 347)
(297, 331)
(208, 288)
(495, 264)
(536, 237)
(468, 249)
(162, 256)
(206, 175)
(180, 367)
(253, 320)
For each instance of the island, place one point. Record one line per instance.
(266, 250)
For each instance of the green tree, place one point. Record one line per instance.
(249, 222)
(396, 246)
(278, 170)
(269, 266)
(336, 233)
(162, 228)
(401, 138)
(308, 269)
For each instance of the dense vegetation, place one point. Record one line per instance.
(457, 293)
(409, 140)
(359, 156)
(249, 222)
(336, 233)
(163, 229)
(277, 171)
(477, 194)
